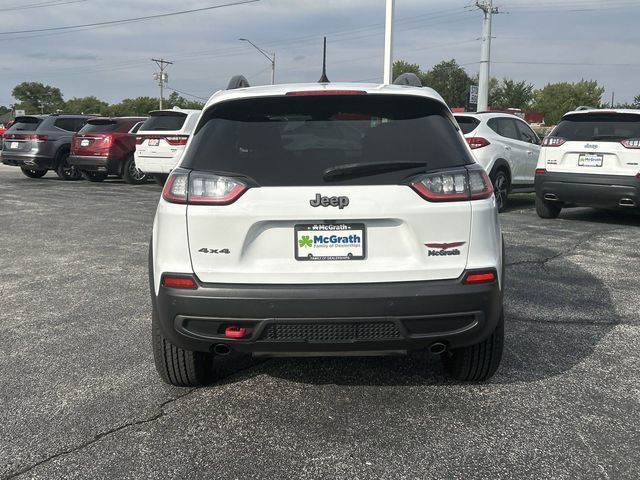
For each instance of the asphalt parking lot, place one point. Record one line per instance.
(80, 397)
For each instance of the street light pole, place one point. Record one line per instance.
(388, 43)
(271, 57)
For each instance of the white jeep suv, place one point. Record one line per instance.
(506, 147)
(326, 219)
(591, 158)
(161, 140)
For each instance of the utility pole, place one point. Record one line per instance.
(388, 43)
(485, 57)
(269, 56)
(161, 77)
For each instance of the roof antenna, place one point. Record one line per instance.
(323, 78)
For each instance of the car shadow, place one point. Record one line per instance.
(556, 315)
(520, 201)
(610, 217)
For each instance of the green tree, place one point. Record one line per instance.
(555, 99)
(176, 100)
(35, 97)
(450, 80)
(132, 107)
(400, 67)
(85, 105)
(511, 94)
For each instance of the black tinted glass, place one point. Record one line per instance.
(98, 126)
(164, 121)
(612, 127)
(467, 124)
(25, 123)
(278, 141)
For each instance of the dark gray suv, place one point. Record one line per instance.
(38, 143)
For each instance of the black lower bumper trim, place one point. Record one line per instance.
(285, 319)
(595, 190)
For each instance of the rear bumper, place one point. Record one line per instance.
(103, 164)
(330, 319)
(31, 161)
(156, 165)
(604, 191)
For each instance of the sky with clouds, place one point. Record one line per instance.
(540, 41)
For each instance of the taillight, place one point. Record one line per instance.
(477, 142)
(541, 171)
(485, 276)
(29, 136)
(107, 141)
(455, 185)
(139, 140)
(553, 141)
(197, 188)
(631, 143)
(177, 139)
(186, 282)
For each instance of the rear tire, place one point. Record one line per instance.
(93, 176)
(501, 187)
(176, 366)
(64, 170)
(546, 209)
(33, 173)
(160, 178)
(131, 174)
(479, 362)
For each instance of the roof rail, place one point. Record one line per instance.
(583, 107)
(237, 81)
(410, 79)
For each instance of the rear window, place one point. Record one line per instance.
(25, 123)
(287, 141)
(98, 126)
(164, 121)
(603, 127)
(467, 124)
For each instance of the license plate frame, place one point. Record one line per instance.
(14, 145)
(84, 143)
(590, 160)
(349, 242)
(153, 142)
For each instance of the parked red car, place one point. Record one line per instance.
(105, 146)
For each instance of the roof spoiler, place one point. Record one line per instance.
(410, 79)
(237, 81)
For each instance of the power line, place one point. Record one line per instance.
(187, 94)
(51, 3)
(127, 20)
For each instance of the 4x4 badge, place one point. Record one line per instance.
(339, 202)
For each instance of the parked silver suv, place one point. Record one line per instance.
(38, 143)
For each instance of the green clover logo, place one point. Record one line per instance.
(305, 241)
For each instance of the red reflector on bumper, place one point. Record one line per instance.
(479, 277)
(179, 281)
(235, 332)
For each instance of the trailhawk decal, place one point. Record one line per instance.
(339, 241)
(444, 249)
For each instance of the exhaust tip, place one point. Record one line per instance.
(551, 196)
(221, 349)
(437, 348)
(626, 202)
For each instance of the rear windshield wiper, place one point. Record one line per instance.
(354, 170)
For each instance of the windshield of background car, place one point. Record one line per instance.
(98, 126)
(164, 121)
(467, 124)
(25, 123)
(603, 127)
(291, 140)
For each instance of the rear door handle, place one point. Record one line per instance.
(507, 147)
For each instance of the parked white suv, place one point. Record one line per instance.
(591, 158)
(506, 147)
(326, 219)
(161, 140)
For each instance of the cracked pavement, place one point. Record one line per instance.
(80, 397)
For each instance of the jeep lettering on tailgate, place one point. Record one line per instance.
(339, 202)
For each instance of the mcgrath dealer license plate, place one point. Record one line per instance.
(84, 143)
(590, 160)
(330, 241)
